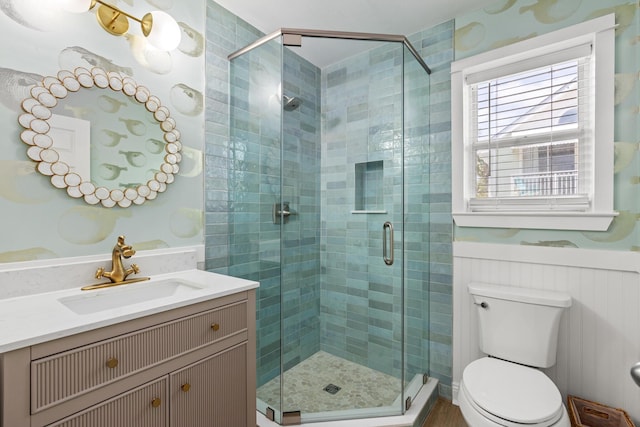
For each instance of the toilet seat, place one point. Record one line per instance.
(511, 394)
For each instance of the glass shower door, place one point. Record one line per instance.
(300, 238)
(342, 277)
(417, 238)
(254, 190)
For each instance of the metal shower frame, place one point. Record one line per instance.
(298, 33)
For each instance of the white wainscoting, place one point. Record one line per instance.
(600, 334)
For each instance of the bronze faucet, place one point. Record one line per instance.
(118, 274)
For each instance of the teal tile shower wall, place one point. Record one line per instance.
(360, 295)
(301, 188)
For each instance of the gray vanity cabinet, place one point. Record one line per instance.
(191, 366)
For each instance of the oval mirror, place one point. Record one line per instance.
(101, 136)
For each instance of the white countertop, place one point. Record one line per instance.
(33, 319)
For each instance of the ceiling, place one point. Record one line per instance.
(403, 17)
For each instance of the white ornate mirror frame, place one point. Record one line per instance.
(42, 148)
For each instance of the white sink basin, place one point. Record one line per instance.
(94, 301)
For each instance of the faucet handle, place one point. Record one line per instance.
(135, 268)
(99, 272)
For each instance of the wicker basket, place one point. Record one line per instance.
(584, 413)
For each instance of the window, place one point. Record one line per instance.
(532, 132)
(526, 133)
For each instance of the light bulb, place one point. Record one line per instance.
(165, 33)
(75, 6)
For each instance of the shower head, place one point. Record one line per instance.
(290, 103)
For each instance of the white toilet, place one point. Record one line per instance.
(519, 333)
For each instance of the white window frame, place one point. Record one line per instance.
(600, 34)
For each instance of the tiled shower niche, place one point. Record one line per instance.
(369, 197)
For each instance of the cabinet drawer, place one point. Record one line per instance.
(60, 377)
(146, 406)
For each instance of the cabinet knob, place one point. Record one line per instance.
(185, 387)
(215, 326)
(112, 363)
(156, 402)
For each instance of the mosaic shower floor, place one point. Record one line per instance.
(304, 384)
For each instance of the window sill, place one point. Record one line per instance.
(598, 221)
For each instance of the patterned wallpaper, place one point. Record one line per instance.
(40, 221)
(509, 21)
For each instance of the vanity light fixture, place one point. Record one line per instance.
(160, 29)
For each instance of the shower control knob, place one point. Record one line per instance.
(281, 212)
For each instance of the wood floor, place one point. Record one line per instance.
(444, 414)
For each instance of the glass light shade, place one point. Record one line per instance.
(75, 6)
(165, 33)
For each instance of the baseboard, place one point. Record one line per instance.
(455, 388)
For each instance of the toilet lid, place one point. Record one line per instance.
(512, 392)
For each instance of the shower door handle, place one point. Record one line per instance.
(387, 228)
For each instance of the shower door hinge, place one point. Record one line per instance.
(425, 378)
(291, 418)
(270, 414)
(407, 404)
(292, 39)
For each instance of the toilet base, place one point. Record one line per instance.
(475, 419)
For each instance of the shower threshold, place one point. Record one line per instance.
(372, 417)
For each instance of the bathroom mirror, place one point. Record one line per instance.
(101, 137)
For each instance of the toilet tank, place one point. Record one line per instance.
(519, 324)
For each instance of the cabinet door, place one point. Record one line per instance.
(145, 406)
(211, 392)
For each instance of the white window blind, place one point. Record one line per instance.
(530, 134)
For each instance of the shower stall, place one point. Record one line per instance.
(329, 193)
